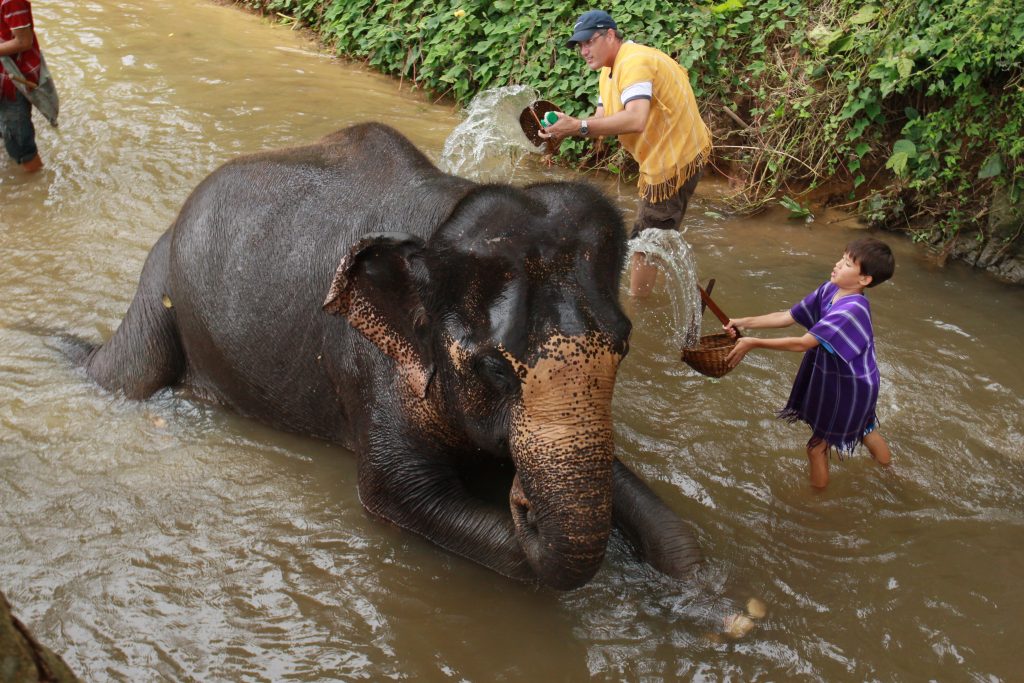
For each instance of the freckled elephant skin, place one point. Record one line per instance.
(348, 290)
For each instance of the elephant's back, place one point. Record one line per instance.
(253, 253)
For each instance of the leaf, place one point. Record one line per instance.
(865, 15)
(905, 67)
(898, 162)
(841, 45)
(905, 147)
(902, 152)
(728, 6)
(862, 149)
(992, 167)
(822, 37)
(795, 209)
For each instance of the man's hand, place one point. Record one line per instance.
(565, 127)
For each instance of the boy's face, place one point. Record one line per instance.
(846, 274)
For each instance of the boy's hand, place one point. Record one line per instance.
(732, 328)
(743, 346)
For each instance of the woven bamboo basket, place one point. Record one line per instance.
(708, 356)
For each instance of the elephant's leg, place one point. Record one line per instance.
(664, 540)
(429, 499)
(145, 353)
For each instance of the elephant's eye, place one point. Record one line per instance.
(496, 372)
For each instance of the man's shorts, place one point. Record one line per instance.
(16, 127)
(666, 215)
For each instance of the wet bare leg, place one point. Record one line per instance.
(817, 454)
(642, 276)
(878, 448)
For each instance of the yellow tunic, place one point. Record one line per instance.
(675, 143)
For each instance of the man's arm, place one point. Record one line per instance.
(21, 41)
(632, 119)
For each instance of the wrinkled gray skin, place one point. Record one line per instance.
(481, 338)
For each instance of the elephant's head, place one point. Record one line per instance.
(507, 328)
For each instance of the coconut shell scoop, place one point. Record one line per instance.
(530, 120)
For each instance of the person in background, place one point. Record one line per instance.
(646, 100)
(836, 388)
(18, 41)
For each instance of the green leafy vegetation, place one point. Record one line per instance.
(796, 209)
(911, 111)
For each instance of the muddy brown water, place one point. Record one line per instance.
(170, 540)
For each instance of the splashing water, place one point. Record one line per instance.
(489, 143)
(670, 251)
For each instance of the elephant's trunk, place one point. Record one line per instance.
(562, 446)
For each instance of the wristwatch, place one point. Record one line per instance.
(584, 128)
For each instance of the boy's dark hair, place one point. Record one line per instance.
(874, 258)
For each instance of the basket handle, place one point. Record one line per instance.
(711, 285)
(719, 313)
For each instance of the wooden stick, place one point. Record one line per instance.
(534, 113)
(27, 83)
(719, 313)
(707, 290)
(735, 117)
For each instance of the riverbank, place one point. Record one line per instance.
(807, 104)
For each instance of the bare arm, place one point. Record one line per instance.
(768, 320)
(21, 41)
(632, 119)
(746, 344)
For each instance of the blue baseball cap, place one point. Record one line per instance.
(588, 24)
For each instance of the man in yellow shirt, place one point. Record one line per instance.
(646, 100)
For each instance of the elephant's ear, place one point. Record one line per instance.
(375, 289)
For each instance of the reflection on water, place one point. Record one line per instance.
(169, 540)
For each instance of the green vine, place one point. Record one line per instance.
(913, 108)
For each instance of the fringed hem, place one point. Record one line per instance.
(659, 192)
(790, 415)
(840, 448)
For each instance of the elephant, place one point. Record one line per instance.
(481, 339)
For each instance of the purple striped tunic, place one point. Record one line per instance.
(836, 388)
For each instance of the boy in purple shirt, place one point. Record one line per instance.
(836, 388)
